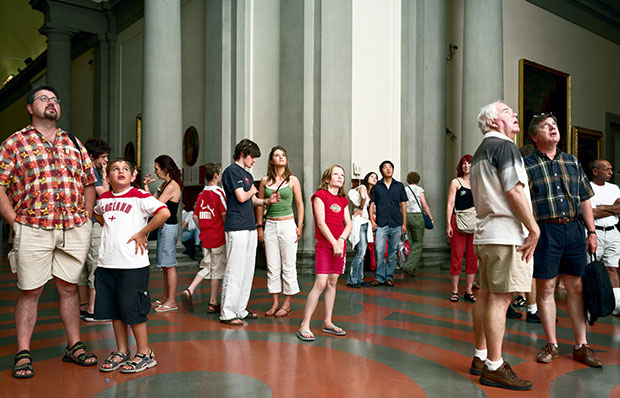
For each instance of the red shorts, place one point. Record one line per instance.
(325, 260)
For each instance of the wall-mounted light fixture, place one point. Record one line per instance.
(450, 134)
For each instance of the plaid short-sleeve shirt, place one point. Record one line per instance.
(557, 185)
(45, 180)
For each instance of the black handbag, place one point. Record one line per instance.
(428, 223)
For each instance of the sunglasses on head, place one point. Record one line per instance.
(543, 115)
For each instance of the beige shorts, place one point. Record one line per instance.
(40, 254)
(502, 269)
(87, 277)
(213, 263)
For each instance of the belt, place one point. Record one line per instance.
(561, 220)
(604, 228)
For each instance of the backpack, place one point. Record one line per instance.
(598, 295)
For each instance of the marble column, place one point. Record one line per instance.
(483, 65)
(424, 106)
(103, 65)
(162, 131)
(59, 69)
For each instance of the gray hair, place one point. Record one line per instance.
(487, 112)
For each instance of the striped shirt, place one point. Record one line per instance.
(557, 185)
(45, 180)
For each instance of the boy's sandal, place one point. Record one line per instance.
(454, 297)
(213, 308)
(81, 359)
(282, 312)
(469, 297)
(187, 300)
(114, 365)
(23, 354)
(139, 363)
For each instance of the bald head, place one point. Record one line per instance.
(602, 171)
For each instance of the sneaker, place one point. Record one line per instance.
(90, 317)
(587, 356)
(532, 317)
(519, 301)
(548, 353)
(512, 314)
(476, 366)
(354, 285)
(365, 284)
(504, 377)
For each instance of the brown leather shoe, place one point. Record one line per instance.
(389, 283)
(476, 366)
(548, 353)
(504, 377)
(587, 356)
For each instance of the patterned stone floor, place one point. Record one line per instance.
(407, 341)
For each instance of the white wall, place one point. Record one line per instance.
(264, 79)
(592, 61)
(376, 84)
(82, 95)
(130, 44)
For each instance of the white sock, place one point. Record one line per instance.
(578, 346)
(532, 308)
(480, 354)
(493, 366)
(617, 293)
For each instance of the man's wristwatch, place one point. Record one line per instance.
(591, 232)
(259, 226)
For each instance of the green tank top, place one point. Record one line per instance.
(285, 206)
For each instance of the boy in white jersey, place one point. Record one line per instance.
(122, 274)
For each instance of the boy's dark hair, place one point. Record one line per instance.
(118, 160)
(96, 147)
(211, 169)
(413, 177)
(383, 164)
(39, 87)
(246, 147)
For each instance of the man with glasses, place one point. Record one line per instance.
(47, 196)
(606, 207)
(561, 202)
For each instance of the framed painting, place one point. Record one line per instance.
(542, 89)
(139, 141)
(587, 147)
(191, 145)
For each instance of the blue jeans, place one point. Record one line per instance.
(356, 273)
(187, 235)
(385, 269)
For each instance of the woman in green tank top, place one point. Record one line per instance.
(280, 234)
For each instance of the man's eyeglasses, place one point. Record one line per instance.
(45, 98)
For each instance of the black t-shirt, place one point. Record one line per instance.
(239, 216)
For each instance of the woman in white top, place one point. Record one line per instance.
(361, 233)
(415, 222)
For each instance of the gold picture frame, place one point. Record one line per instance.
(588, 145)
(543, 89)
(139, 141)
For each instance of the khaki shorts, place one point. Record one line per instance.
(502, 269)
(40, 254)
(87, 277)
(213, 263)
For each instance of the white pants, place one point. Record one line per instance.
(281, 253)
(237, 283)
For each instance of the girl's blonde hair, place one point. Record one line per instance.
(327, 175)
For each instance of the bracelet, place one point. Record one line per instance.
(342, 238)
(591, 232)
(259, 226)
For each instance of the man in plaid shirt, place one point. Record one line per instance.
(561, 202)
(47, 196)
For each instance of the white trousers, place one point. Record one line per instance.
(281, 253)
(237, 283)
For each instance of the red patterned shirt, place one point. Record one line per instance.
(45, 180)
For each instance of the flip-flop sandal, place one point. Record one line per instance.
(165, 308)
(454, 297)
(286, 312)
(232, 322)
(308, 335)
(80, 359)
(23, 354)
(124, 356)
(250, 315)
(140, 363)
(187, 300)
(335, 330)
(271, 312)
(156, 303)
(213, 308)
